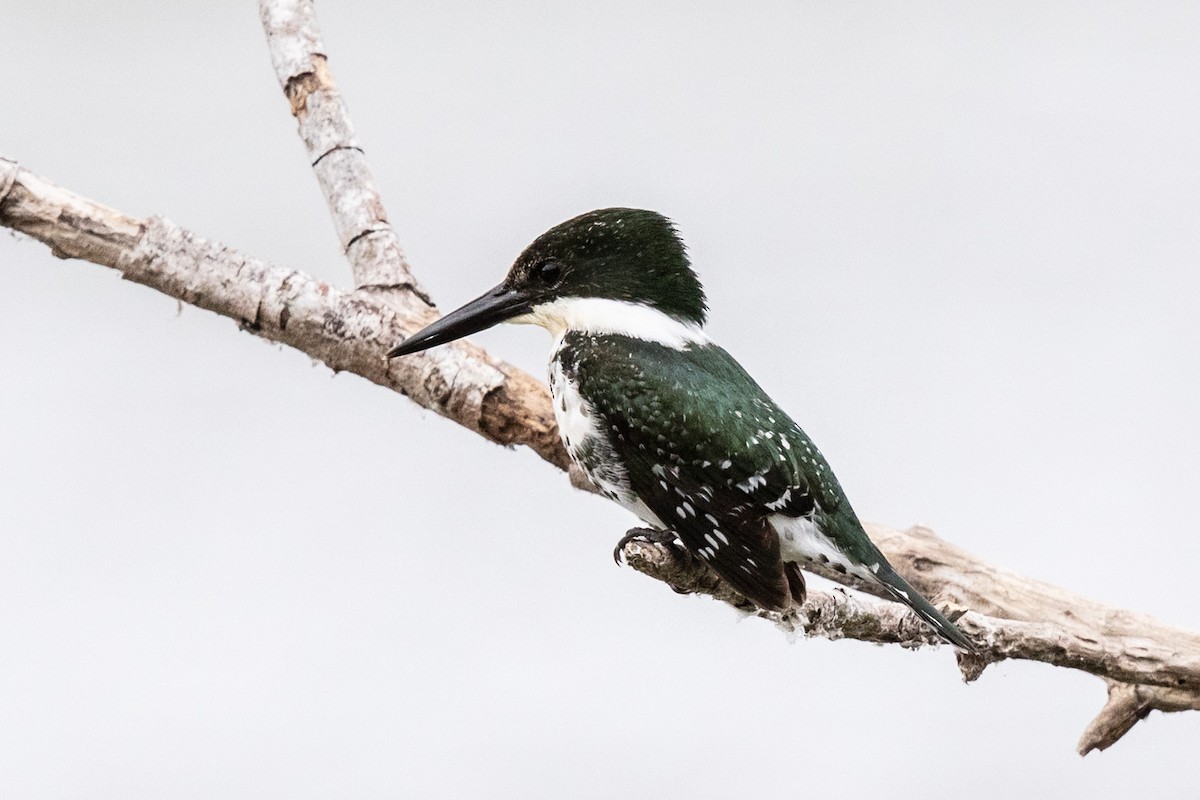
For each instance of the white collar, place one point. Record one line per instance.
(599, 315)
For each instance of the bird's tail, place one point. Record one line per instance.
(903, 591)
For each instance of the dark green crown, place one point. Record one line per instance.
(614, 253)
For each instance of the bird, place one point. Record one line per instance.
(666, 423)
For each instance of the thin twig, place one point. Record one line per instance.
(1128, 705)
(337, 157)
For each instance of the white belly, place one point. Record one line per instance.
(582, 434)
(576, 424)
(801, 540)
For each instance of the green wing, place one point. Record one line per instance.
(707, 451)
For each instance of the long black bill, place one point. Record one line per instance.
(483, 312)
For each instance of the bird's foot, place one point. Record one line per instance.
(795, 580)
(668, 539)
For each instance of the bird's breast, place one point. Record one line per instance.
(577, 425)
(584, 433)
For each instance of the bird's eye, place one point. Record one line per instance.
(549, 272)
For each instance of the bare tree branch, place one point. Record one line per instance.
(1128, 705)
(337, 158)
(348, 331)
(1065, 630)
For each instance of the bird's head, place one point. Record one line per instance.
(621, 270)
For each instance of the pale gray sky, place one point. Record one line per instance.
(958, 242)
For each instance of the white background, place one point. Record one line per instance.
(958, 243)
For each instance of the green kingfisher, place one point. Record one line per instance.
(668, 424)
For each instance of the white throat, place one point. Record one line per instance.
(600, 315)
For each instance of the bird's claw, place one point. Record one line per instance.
(653, 536)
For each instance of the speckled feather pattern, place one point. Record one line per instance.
(690, 437)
